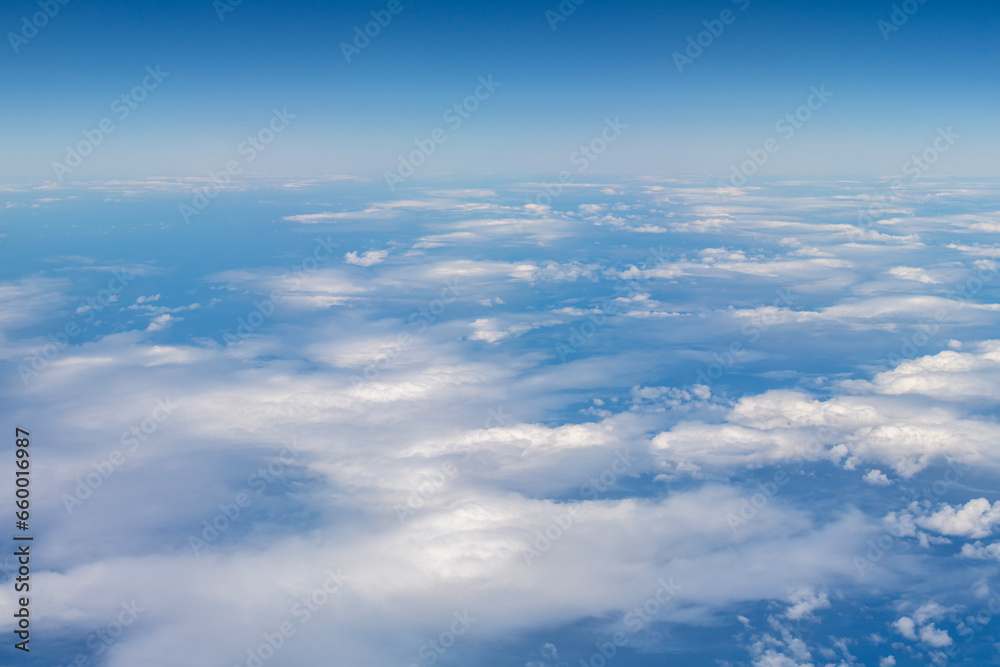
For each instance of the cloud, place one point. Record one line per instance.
(786, 425)
(946, 375)
(448, 460)
(317, 289)
(877, 478)
(804, 602)
(981, 551)
(369, 258)
(161, 321)
(934, 637)
(976, 519)
(906, 627)
(28, 300)
(394, 209)
(493, 330)
(911, 273)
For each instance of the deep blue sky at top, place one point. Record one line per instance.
(607, 59)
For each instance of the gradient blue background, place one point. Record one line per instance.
(607, 59)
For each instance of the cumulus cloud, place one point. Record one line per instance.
(934, 637)
(906, 627)
(981, 551)
(947, 375)
(804, 602)
(448, 460)
(877, 478)
(976, 519)
(369, 258)
(920, 626)
(792, 426)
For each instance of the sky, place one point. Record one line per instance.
(315, 425)
(528, 335)
(230, 65)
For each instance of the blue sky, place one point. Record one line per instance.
(604, 60)
(503, 345)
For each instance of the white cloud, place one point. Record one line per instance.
(804, 602)
(906, 627)
(161, 321)
(982, 551)
(530, 440)
(911, 273)
(976, 519)
(947, 375)
(493, 330)
(934, 637)
(785, 425)
(877, 478)
(369, 258)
